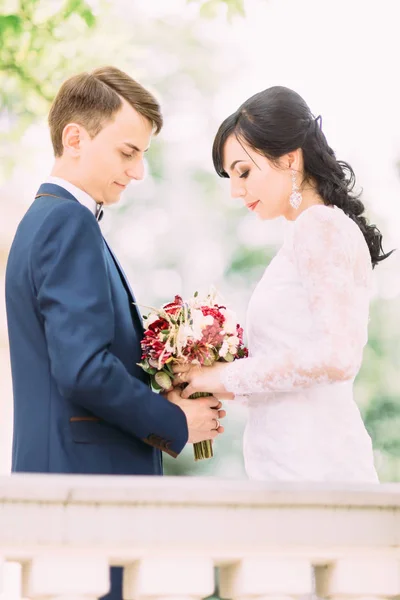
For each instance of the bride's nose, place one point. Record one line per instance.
(237, 190)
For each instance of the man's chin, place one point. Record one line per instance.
(110, 200)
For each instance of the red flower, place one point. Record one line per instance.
(158, 325)
(198, 351)
(174, 307)
(153, 348)
(214, 312)
(239, 333)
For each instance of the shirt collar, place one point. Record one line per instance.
(79, 194)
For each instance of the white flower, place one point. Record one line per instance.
(200, 321)
(230, 320)
(233, 343)
(229, 347)
(184, 333)
(223, 351)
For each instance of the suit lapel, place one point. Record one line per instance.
(128, 288)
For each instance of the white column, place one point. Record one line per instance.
(372, 578)
(66, 576)
(266, 578)
(11, 589)
(2, 586)
(6, 402)
(68, 597)
(172, 578)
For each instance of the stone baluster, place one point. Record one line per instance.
(2, 578)
(66, 576)
(266, 578)
(172, 578)
(11, 589)
(372, 578)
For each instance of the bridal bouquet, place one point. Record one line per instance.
(197, 332)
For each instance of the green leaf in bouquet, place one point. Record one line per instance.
(241, 353)
(163, 380)
(168, 368)
(146, 367)
(154, 385)
(208, 362)
(211, 358)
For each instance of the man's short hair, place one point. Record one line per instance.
(91, 99)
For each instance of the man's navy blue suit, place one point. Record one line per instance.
(81, 403)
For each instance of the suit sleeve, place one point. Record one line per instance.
(74, 297)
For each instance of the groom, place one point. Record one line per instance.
(81, 403)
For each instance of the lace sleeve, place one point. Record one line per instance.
(334, 267)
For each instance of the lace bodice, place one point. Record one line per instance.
(307, 319)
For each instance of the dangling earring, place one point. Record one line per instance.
(295, 197)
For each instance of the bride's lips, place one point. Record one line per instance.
(120, 185)
(252, 205)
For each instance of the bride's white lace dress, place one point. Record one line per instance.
(307, 327)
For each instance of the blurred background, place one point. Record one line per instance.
(179, 231)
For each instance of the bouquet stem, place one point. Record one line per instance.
(202, 450)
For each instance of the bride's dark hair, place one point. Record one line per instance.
(278, 121)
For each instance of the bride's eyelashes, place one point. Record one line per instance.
(245, 174)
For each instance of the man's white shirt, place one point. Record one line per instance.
(79, 194)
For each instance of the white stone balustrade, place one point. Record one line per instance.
(171, 533)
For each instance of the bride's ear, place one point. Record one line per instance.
(294, 160)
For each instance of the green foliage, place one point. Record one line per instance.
(209, 8)
(40, 43)
(29, 49)
(249, 261)
(382, 419)
(377, 387)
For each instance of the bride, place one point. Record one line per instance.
(308, 316)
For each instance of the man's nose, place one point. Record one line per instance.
(136, 171)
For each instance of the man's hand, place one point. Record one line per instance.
(203, 416)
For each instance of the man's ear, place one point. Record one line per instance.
(72, 139)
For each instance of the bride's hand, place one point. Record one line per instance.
(201, 379)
